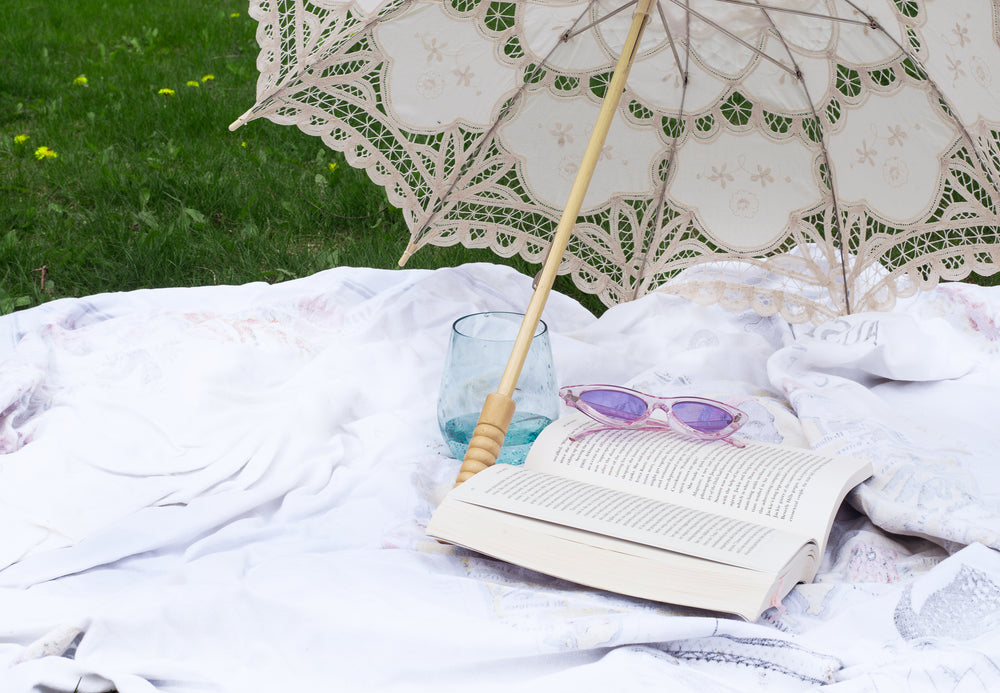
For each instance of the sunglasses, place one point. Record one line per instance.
(618, 408)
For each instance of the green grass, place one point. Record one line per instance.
(152, 190)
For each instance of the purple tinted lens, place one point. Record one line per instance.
(614, 404)
(702, 417)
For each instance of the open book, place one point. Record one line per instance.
(655, 515)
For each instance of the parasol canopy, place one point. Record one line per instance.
(808, 158)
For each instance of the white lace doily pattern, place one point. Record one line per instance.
(867, 130)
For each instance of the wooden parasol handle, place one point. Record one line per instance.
(498, 410)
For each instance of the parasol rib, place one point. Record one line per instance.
(682, 69)
(722, 30)
(571, 34)
(498, 410)
(790, 10)
(487, 136)
(661, 196)
(824, 152)
(291, 78)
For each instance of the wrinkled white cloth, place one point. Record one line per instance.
(225, 489)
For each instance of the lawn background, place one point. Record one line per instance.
(148, 187)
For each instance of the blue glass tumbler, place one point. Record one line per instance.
(478, 352)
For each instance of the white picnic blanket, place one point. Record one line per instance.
(225, 489)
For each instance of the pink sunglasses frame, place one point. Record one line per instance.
(570, 394)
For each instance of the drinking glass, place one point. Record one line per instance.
(478, 352)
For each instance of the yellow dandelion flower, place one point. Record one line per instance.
(80, 81)
(45, 153)
(234, 15)
(208, 78)
(20, 139)
(243, 144)
(332, 167)
(166, 91)
(192, 83)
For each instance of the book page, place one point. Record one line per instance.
(780, 486)
(618, 565)
(616, 513)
